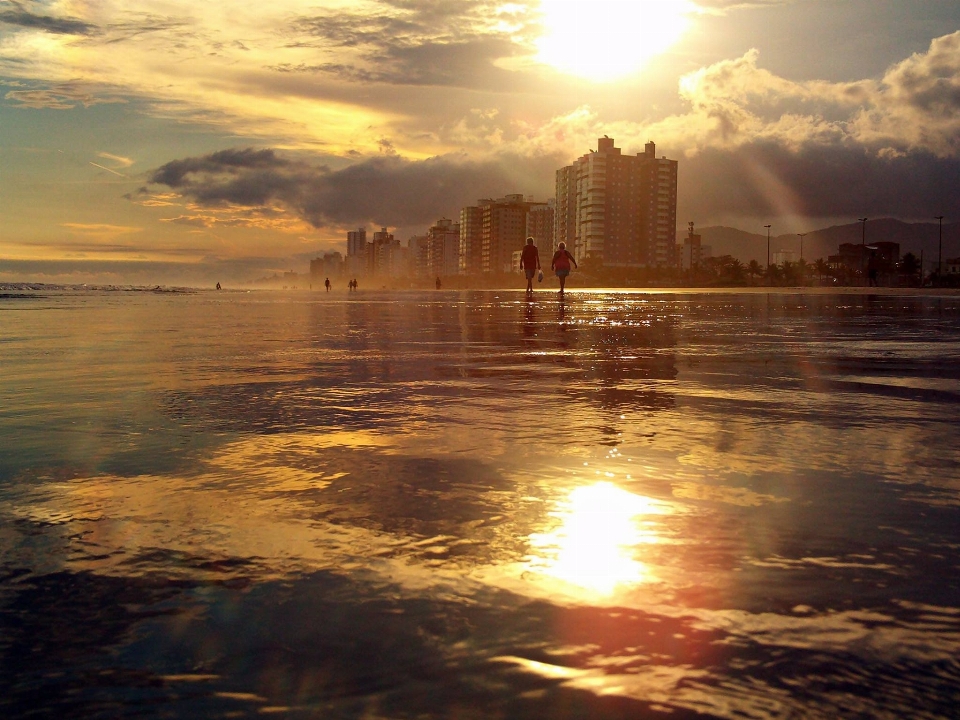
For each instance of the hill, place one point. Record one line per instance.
(913, 237)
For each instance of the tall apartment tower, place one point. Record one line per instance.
(357, 262)
(417, 255)
(491, 231)
(619, 209)
(471, 239)
(443, 248)
(540, 222)
(565, 215)
(357, 242)
(386, 257)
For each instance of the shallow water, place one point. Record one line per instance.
(467, 505)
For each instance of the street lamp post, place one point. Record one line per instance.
(940, 250)
(801, 245)
(863, 243)
(768, 246)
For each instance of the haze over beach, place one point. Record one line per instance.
(189, 144)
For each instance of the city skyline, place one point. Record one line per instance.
(199, 143)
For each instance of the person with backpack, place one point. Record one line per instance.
(561, 264)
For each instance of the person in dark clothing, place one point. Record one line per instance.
(561, 264)
(530, 262)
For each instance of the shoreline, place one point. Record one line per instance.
(28, 290)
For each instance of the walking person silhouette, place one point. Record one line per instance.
(561, 264)
(530, 262)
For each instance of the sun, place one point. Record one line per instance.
(605, 40)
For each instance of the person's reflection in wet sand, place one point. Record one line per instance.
(529, 319)
(563, 340)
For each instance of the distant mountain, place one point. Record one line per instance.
(913, 237)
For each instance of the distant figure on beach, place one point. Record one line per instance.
(438, 282)
(218, 286)
(873, 270)
(530, 262)
(326, 284)
(561, 264)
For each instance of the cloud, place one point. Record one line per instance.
(57, 25)
(914, 107)
(387, 190)
(766, 179)
(145, 198)
(428, 79)
(723, 6)
(118, 160)
(756, 144)
(459, 64)
(64, 96)
(103, 231)
(260, 218)
(103, 167)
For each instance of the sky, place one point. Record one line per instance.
(189, 142)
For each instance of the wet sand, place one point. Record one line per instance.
(469, 504)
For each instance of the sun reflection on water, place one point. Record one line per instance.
(594, 547)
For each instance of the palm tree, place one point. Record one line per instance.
(787, 270)
(822, 269)
(736, 269)
(773, 274)
(754, 270)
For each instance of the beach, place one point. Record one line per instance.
(471, 504)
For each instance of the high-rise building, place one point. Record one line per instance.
(328, 266)
(386, 257)
(358, 255)
(443, 248)
(417, 254)
(618, 209)
(504, 230)
(565, 213)
(357, 242)
(540, 222)
(492, 230)
(471, 238)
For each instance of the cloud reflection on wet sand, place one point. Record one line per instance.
(508, 509)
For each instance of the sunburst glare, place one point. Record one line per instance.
(608, 39)
(594, 546)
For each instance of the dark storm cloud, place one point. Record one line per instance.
(388, 191)
(224, 162)
(817, 181)
(58, 25)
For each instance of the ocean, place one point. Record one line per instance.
(456, 504)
